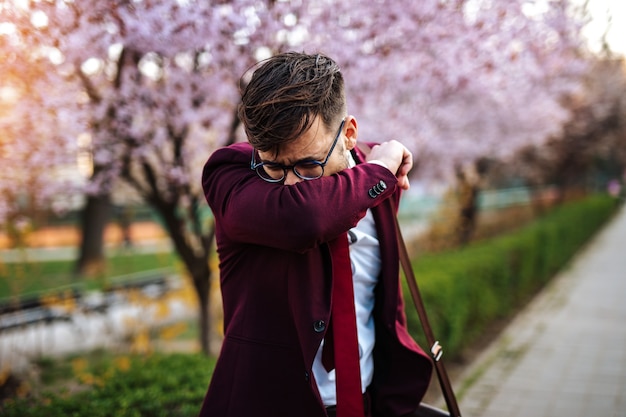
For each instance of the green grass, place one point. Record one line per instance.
(24, 279)
(100, 384)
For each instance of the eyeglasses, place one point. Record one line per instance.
(306, 169)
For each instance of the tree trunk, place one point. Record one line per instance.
(468, 212)
(467, 193)
(94, 218)
(202, 284)
(194, 250)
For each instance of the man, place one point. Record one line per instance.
(285, 206)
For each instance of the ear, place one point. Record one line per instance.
(350, 132)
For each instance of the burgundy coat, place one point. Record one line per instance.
(276, 274)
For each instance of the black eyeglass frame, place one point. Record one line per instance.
(256, 166)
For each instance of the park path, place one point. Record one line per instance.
(565, 353)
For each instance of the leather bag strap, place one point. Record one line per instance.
(436, 349)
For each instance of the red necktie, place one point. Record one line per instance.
(343, 334)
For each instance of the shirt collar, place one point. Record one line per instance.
(351, 161)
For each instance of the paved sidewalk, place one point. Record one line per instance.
(565, 354)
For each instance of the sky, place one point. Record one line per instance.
(600, 10)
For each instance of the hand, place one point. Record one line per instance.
(396, 157)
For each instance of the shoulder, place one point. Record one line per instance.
(237, 151)
(238, 154)
(227, 162)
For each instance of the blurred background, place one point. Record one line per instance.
(109, 290)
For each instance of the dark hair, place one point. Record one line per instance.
(285, 95)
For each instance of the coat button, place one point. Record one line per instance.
(372, 193)
(306, 376)
(319, 326)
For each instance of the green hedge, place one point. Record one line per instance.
(155, 386)
(466, 289)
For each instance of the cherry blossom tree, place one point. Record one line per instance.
(459, 80)
(160, 82)
(38, 131)
(152, 85)
(489, 81)
(592, 143)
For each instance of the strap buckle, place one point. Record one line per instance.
(437, 351)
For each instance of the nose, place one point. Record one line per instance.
(291, 178)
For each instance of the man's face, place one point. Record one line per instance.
(312, 145)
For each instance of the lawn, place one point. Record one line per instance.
(27, 279)
(99, 384)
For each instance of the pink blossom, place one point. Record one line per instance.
(453, 80)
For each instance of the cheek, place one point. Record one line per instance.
(338, 162)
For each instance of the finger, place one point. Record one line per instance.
(407, 163)
(403, 182)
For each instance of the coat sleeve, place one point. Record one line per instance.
(296, 217)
